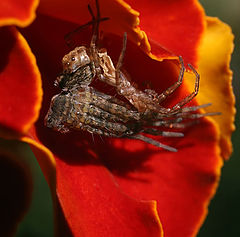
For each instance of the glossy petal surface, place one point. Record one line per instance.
(20, 13)
(107, 186)
(174, 25)
(20, 88)
(94, 194)
(122, 18)
(95, 206)
(214, 60)
(181, 183)
(163, 22)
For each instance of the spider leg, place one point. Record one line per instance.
(165, 122)
(106, 126)
(116, 109)
(69, 35)
(187, 99)
(177, 124)
(195, 108)
(95, 25)
(120, 59)
(153, 142)
(197, 115)
(102, 114)
(142, 101)
(96, 130)
(171, 123)
(112, 99)
(94, 22)
(172, 88)
(157, 132)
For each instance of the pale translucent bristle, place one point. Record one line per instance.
(153, 142)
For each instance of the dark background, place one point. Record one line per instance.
(224, 211)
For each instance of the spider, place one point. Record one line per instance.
(97, 63)
(79, 106)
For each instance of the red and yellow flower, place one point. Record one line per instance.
(120, 187)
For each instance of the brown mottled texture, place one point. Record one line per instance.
(81, 107)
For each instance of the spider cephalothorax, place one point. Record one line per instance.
(81, 107)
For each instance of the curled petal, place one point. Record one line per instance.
(20, 88)
(121, 16)
(173, 25)
(20, 13)
(158, 32)
(216, 79)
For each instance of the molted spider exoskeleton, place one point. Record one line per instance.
(81, 107)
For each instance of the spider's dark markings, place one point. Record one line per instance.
(81, 107)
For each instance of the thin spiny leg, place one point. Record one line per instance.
(177, 123)
(98, 131)
(118, 110)
(184, 125)
(172, 88)
(120, 59)
(196, 116)
(187, 99)
(164, 123)
(94, 22)
(93, 48)
(93, 138)
(194, 108)
(113, 100)
(157, 132)
(68, 36)
(95, 25)
(102, 114)
(152, 142)
(111, 127)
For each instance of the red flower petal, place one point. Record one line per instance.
(85, 203)
(20, 88)
(20, 13)
(214, 61)
(91, 200)
(182, 183)
(176, 180)
(122, 16)
(174, 25)
(95, 206)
